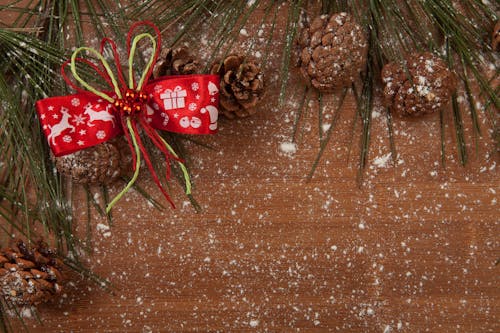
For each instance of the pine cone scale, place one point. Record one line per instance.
(175, 62)
(421, 84)
(242, 85)
(29, 276)
(334, 51)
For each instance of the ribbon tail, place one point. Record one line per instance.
(153, 135)
(169, 153)
(137, 165)
(187, 179)
(151, 168)
(130, 142)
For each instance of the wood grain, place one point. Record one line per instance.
(411, 250)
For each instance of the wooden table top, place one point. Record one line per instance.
(413, 249)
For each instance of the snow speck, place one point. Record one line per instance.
(382, 161)
(104, 230)
(288, 147)
(387, 329)
(254, 323)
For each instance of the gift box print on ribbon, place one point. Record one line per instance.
(186, 104)
(76, 122)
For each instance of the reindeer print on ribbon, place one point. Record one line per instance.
(61, 126)
(99, 115)
(184, 104)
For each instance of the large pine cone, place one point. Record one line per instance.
(333, 51)
(100, 164)
(421, 84)
(29, 276)
(242, 85)
(175, 62)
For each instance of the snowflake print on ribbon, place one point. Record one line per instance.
(75, 102)
(192, 106)
(79, 120)
(67, 138)
(195, 86)
(100, 135)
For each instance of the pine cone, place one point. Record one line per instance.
(242, 85)
(100, 164)
(495, 37)
(333, 51)
(29, 276)
(175, 62)
(422, 84)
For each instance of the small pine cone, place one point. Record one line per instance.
(422, 84)
(333, 51)
(100, 164)
(29, 276)
(495, 37)
(242, 85)
(175, 62)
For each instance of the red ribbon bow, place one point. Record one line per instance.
(183, 104)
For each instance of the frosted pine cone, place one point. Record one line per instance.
(242, 85)
(422, 84)
(175, 62)
(333, 51)
(29, 276)
(100, 164)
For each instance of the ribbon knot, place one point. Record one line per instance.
(133, 103)
(88, 118)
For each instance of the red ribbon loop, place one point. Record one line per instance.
(184, 104)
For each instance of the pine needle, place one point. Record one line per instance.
(290, 32)
(299, 114)
(324, 143)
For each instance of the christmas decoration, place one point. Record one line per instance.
(176, 61)
(29, 276)
(495, 37)
(421, 84)
(242, 85)
(183, 104)
(100, 164)
(333, 51)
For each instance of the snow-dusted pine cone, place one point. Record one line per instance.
(242, 85)
(175, 62)
(29, 276)
(421, 84)
(100, 164)
(333, 51)
(495, 37)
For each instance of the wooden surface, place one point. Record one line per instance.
(411, 250)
